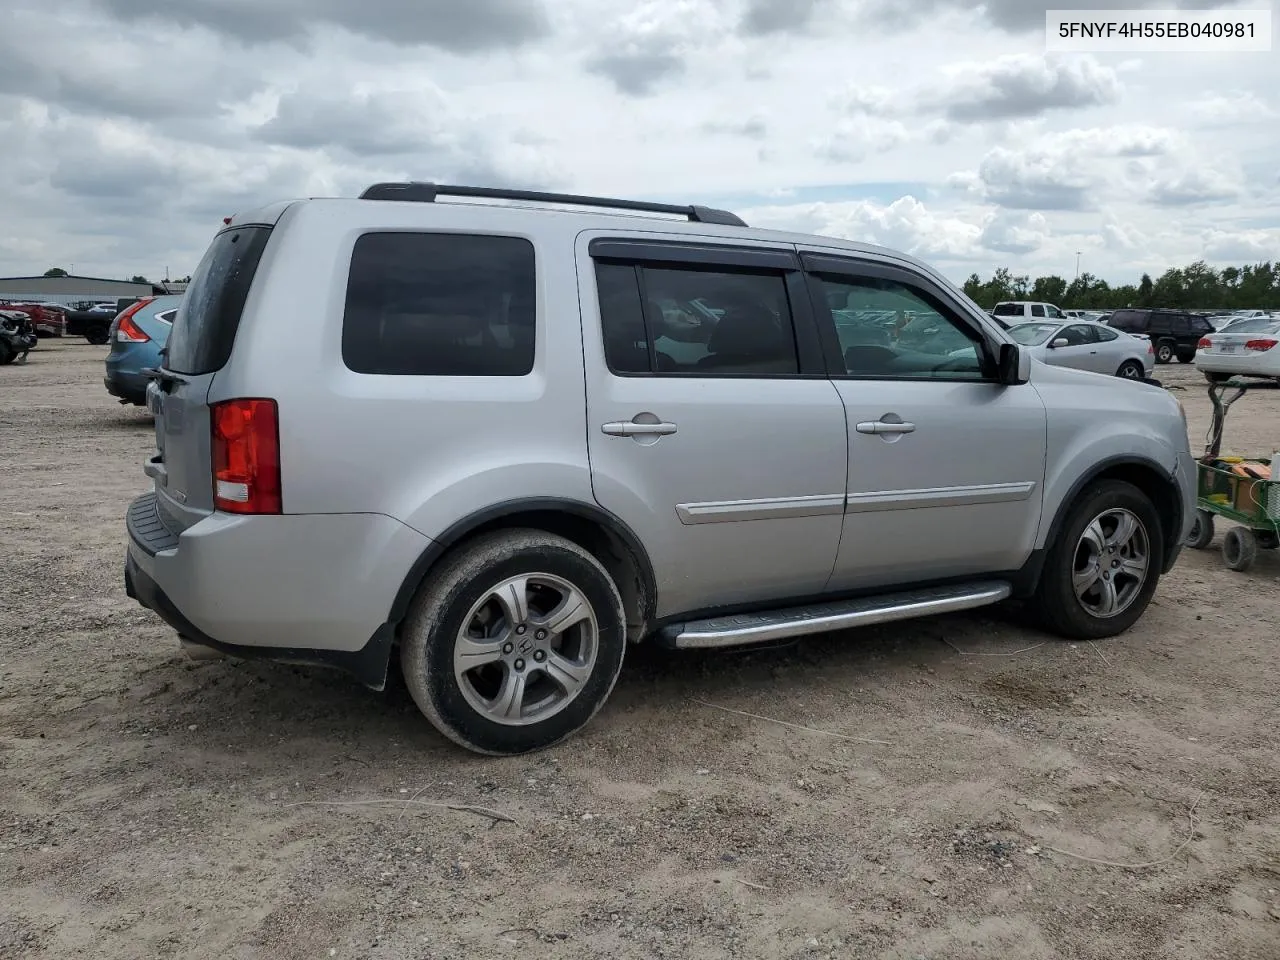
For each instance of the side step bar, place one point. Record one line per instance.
(749, 628)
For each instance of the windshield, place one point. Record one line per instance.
(1032, 334)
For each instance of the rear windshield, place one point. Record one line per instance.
(204, 328)
(1008, 310)
(1256, 325)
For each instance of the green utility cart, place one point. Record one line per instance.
(1241, 489)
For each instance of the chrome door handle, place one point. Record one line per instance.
(630, 428)
(884, 426)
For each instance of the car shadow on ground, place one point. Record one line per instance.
(235, 701)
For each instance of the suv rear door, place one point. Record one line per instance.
(199, 345)
(712, 429)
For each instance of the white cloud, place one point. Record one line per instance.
(130, 127)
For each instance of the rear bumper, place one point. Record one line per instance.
(128, 388)
(298, 588)
(1256, 364)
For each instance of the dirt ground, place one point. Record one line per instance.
(155, 807)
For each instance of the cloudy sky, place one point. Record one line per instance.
(129, 128)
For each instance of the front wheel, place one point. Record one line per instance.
(1164, 353)
(1131, 370)
(1102, 571)
(514, 642)
(6, 353)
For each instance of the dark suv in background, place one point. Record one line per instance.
(1173, 333)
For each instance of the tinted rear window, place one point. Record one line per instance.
(435, 304)
(1008, 310)
(204, 328)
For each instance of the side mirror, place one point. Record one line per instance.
(1060, 342)
(1014, 364)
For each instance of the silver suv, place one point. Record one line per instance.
(510, 437)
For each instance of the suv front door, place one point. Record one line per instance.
(946, 465)
(712, 429)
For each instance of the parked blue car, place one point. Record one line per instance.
(138, 335)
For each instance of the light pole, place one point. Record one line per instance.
(1077, 264)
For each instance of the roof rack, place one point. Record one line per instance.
(420, 192)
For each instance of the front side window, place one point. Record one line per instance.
(887, 328)
(434, 304)
(1077, 335)
(1054, 312)
(695, 322)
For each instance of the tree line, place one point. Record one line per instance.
(1197, 287)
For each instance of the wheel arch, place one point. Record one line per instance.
(590, 526)
(1148, 476)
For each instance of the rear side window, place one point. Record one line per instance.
(695, 321)
(1130, 321)
(436, 304)
(204, 328)
(1008, 310)
(1037, 310)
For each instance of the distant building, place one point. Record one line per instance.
(68, 290)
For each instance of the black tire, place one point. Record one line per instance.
(97, 337)
(1132, 370)
(1239, 549)
(6, 354)
(1057, 605)
(1185, 357)
(461, 581)
(1201, 534)
(1217, 377)
(1164, 352)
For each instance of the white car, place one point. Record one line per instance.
(1087, 346)
(1247, 348)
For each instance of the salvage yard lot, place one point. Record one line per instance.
(150, 806)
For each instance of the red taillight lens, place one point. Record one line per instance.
(1204, 344)
(246, 456)
(129, 332)
(126, 331)
(1265, 343)
(1151, 348)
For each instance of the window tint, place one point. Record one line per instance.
(1007, 310)
(434, 304)
(626, 344)
(1037, 310)
(1052, 311)
(1077, 335)
(1201, 325)
(1104, 334)
(205, 326)
(1130, 321)
(888, 329)
(697, 322)
(1180, 324)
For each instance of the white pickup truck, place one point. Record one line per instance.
(1017, 311)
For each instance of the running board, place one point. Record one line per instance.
(842, 615)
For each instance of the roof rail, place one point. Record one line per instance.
(419, 192)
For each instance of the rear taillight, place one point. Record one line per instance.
(1151, 348)
(1204, 344)
(246, 456)
(1260, 345)
(125, 330)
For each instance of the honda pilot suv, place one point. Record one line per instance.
(506, 439)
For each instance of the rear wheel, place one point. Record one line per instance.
(1101, 572)
(6, 353)
(514, 642)
(1164, 352)
(1217, 377)
(96, 337)
(1131, 370)
(1201, 531)
(1185, 356)
(1239, 549)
